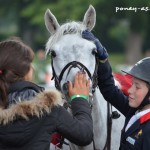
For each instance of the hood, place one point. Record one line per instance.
(41, 103)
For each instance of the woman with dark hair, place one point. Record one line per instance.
(28, 114)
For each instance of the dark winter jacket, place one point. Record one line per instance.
(137, 137)
(29, 124)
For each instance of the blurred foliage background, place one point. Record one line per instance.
(125, 34)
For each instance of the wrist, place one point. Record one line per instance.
(96, 41)
(78, 96)
(103, 55)
(102, 61)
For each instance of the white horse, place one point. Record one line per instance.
(71, 53)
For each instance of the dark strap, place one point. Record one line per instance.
(74, 64)
(145, 101)
(57, 85)
(109, 127)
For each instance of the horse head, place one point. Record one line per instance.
(70, 52)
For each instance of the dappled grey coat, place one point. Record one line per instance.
(29, 124)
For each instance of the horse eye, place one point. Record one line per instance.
(53, 53)
(94, 51)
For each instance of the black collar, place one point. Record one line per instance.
(20, 85)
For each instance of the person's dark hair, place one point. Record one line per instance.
(15, 61)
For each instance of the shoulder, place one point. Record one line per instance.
(42, 103)
(18, 96)
(145, 131)
(145, 118)
(22, 90)
(146, 126)
(145, 123)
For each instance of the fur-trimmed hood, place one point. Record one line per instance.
(41, 103)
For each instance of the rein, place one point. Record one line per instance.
(110, 116)
(109, 127)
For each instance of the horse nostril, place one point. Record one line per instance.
(65, 86)
(94, 52)
(53, 53)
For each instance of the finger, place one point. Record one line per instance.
(88, 84)
(84, 79)
(85, 35)
(76, 80)
(80, 78)
(70, 87)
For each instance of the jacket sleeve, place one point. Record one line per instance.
(78, 127)
(146, 139)
(111, 93)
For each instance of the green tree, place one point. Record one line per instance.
(127, 27)
(118, 31)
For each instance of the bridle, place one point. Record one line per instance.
(75, 64)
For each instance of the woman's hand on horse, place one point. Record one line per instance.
(80, 86)
(102, 53)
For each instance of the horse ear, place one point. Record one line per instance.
(90, 18)
(51, 22)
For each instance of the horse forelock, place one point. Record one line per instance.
(71, 27)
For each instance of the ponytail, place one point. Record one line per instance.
(3, 92)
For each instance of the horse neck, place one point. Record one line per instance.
(99, 115)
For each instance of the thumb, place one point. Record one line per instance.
(88, 84)
(70, 87)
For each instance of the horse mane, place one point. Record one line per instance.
(71, 27)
